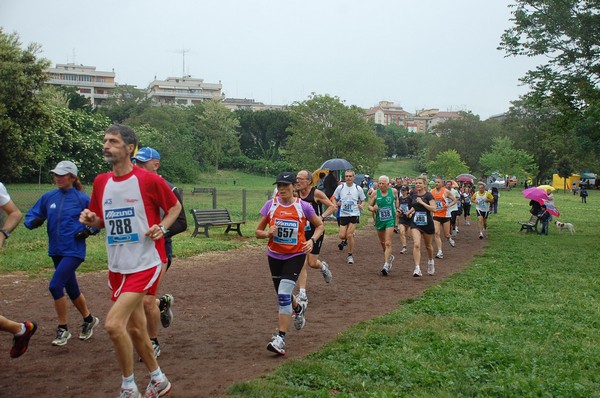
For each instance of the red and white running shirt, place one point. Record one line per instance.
(129, 205)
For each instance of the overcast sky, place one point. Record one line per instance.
(418, 54)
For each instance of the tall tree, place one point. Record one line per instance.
(398, 140)
(565, 169)
(566, 33)
(537, 130)
(74, 135)
(447, 164)
(21, 110)
(169, 129)
(218, 126)
(468, 136)
(322, 128)
(565, 37)
(125, 104)
(262, 134)
(507, 160)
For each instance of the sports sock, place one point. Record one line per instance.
(128, 383)
(65, 327)
(157, 375)
(89, 318)
(23, 330)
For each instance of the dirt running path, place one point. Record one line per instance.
(225, 312)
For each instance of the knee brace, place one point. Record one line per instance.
(284, 294)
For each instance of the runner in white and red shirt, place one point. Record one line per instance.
(127, 202)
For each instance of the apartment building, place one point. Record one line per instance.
(443, 116)
(387, 113)
(422, 121)
(94, 85)
(183, 91)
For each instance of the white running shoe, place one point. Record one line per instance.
(130, 393)
(350, 259)
(155, 348)
(302, 297)
(392, 258)
(158, 388)
(430, 267)
(277, 345)
(87, 329)
(452, 242)
(404, 250)
(62, 336)
(326, 272)
(299, 319)
(417, 271)
(439, 254)
(166, 313)
(386, 269)
(481, 235)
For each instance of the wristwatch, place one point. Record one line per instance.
(163, 229)
(314, 241)
(6, 233)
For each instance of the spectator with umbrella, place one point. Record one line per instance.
(536, 198)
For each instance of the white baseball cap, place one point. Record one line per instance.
(65, 167)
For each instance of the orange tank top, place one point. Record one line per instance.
(291, 222)
(440, 202)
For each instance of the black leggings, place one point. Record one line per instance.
(466, 209)
(286, 269)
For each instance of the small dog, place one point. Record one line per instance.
(565, 225)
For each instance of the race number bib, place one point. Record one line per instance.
(286, 233)
(385, 214)
(347, 206)
(439, 205)
(121, 227)
(420, 218)
(404, 208)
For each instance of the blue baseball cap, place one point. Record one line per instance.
(146, 153)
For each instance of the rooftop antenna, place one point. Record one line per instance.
(183, 51)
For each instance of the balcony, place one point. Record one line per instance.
(79, 83)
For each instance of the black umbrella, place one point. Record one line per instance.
(359, 178)
(336, 164)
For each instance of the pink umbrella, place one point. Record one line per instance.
(536, 194)
(464, 178)
(551, 208)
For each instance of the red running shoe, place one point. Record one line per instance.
(20, 343)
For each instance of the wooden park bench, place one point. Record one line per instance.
(531, 225)
(205, 218)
